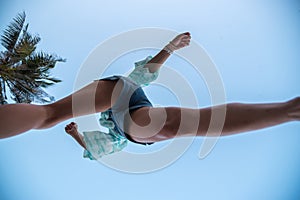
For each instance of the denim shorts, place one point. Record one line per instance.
(132, 97)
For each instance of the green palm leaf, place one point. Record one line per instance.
(11, 34)
(23, 70)
(25, 47)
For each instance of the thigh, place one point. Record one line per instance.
(146, 124)
(96, 97)
(150, 124)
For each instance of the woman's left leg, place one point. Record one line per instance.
(156, 124)
(96, 97)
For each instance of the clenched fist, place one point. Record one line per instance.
(178, 42)
(71, 128)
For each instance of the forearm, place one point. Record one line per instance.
(178, 42)
(157, 61)
(79, 138)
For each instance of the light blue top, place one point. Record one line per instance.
(141, 75)
(99, 143)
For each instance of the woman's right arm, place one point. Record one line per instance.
(178, 42)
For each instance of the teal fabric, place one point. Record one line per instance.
(141, 75)
(100, 143)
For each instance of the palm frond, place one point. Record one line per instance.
(26, 91)
(11, 35)
(20, 93)
(23, 71)
(2, 58)
(2, 92)
(25, 47)
(43, 61)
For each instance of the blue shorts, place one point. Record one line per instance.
(132, 97)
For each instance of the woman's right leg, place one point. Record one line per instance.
(156, 124)
(95, 97)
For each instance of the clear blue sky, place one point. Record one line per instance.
(255, 46)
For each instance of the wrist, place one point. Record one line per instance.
(166, 49)
(170, 48)
(73, 133)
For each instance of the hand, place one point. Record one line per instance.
(71, 128)
(179, 42)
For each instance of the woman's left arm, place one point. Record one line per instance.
(178, 42)
(71, 129)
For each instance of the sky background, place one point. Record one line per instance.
(255, 46)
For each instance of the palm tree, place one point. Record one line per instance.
(24, 72)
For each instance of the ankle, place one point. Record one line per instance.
(293, 109)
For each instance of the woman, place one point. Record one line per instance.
(123, 96)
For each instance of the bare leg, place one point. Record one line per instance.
(239, 118)
(95, 97)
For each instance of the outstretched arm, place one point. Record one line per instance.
(178, 42)
(71, 129)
